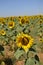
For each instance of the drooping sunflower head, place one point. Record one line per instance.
(11, 24)
(2, 32)
(25, 41)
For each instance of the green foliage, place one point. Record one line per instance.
(34, 28)
(18, 53)
(32, 61)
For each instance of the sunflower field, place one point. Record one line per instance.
(21, 40)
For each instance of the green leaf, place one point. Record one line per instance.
(18, 53)
(6, 39)
(31, 49)
(13, 37)
(30, 61)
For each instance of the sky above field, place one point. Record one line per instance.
(20, 7)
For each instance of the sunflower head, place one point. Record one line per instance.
(2, 32)
(25, 41)
(20, 17)
(27, 20)
(11, 24)
(32, 17)
(2, 21)
(22, 20)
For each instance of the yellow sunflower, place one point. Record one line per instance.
(22, 20)
(25, 41)
(32, 17)
(2, 32)
(41, 21)
(39, 16)
(11, 24)
(19, 18)
(27, 20)
(2, 20)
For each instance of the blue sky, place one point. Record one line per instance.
(20, 7)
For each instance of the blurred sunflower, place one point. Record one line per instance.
(27, 19)
(11, 18)
(22, 20)
(41, 39)
(2, 32)
(41, 21)
(32, 17)
(11, 24)
(2, 21)
(19, 18)
(25, 41)
(39, 16)
(7, 18)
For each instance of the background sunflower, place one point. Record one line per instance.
(11, 24)
(2, 32)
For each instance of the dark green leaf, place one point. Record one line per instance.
(31, 49)
(36, 57)
(1, 48)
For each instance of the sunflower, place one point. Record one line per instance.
(41, 21)
(19, 17)
(7, 18)
(25, 41)
(26, 19)
(11, 24)
(2, 21)
(22, 20)
(2, 32)
(11, 18)
(32, 17)
(39, 16)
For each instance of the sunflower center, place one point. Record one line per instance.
(2, 31)
(11, 24)
(27, 21)
(25, 41)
